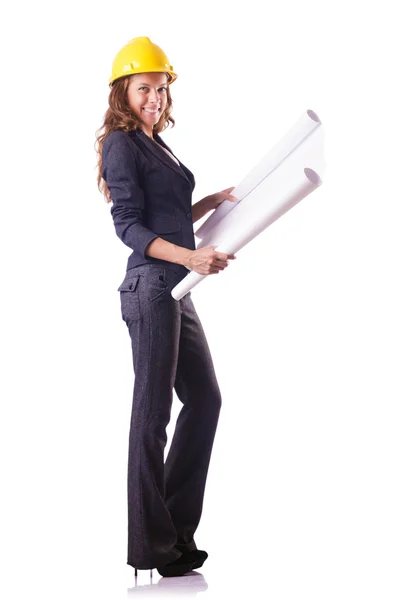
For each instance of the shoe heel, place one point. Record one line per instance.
(151, 573)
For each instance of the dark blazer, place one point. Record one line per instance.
(151, 195)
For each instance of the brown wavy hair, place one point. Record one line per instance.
(119, 116)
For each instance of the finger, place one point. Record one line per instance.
(220, 264)
(223, 256)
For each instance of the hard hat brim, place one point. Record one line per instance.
(172, 75)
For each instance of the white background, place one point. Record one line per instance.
(301, 492)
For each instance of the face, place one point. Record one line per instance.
(147, 97)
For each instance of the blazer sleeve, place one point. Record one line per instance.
(120, 171)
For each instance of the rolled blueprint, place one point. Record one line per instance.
(308, 123)
(286, 175)
(282, 190)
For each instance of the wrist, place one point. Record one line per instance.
(209, 203)
(202, 207)
(182, 255)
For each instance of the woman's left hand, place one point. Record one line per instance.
(216, 199)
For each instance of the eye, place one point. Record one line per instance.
(144, 87)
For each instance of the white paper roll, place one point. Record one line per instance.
(297, 135)
(251, 217)
(282, 179)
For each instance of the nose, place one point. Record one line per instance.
(154, 96)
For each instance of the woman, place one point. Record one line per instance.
(151, 191)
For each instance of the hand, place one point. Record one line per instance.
(216, 199)
(206, 261)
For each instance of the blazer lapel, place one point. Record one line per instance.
(162, 155)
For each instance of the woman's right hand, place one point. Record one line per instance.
(206, 261)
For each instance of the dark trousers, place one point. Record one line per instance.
(169, 350)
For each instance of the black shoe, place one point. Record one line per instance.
(198, 556)
(178, 567)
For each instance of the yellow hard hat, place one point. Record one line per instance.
(140, 55)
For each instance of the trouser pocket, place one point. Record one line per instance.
(156, 284)
(129, 299)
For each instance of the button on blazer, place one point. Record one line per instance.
(151, 195)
